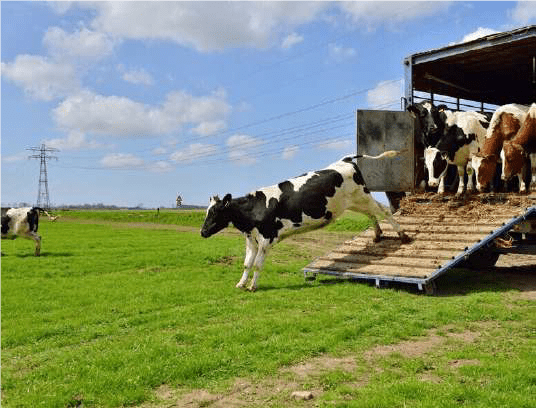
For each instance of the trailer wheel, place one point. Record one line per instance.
(481, 259)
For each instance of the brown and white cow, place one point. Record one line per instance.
(504, 125)
(300, 204)
(515, 152)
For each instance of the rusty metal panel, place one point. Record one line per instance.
(377, 132)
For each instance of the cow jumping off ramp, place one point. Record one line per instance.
(300, 204)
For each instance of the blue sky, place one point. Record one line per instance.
(145, 100)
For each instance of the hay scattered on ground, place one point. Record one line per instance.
(474, 206)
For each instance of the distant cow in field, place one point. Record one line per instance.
(21, 222)
(464, 133)
(504, 125)
(304, 203)
(515, 152)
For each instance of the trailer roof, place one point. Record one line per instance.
(496, 69)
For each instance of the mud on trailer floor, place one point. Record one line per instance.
(442, 229)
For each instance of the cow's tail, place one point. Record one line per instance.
(388, 154)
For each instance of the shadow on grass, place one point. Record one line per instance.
(496, 279)
(46, 255)
(461, 282)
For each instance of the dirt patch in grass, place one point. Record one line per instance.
(307, 376)
(421, 346)
(463, 362)
(320, 365)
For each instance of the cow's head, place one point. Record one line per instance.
(484, 167)
(436, 164)
(425, 113)
(217, 217)
(513, 158)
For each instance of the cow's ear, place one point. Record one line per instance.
(227, 199)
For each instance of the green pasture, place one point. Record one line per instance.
(119, 305)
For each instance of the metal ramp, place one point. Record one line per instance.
(442, 240)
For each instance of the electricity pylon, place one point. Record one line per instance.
(42, 153)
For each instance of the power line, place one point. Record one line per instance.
(278, 136)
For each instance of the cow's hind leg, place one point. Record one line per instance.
(251, 253)
(377, 230)
(37, 239)
(376, 211)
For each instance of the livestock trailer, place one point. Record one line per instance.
(473, 231)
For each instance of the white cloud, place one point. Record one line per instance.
(99, 115)
(291, 40)
(41, 78)
(136, 76)
(215, 26)
(83, 43)
(240, 146)
(75, 140)
(158, 151)
(160, 166)
(480, 32)
(242, 141)
(289, 152)
(370, 14)
(15, 157)
(191, 109)
(524, 12)
(384, 94)
(337, 144)
(122, 160)
(210, 128)
(193, 152)
(205, 26)
(339, 53)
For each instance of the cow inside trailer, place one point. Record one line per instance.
(478, 75)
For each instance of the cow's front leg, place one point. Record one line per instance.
(470, 182)
(251, 253)
(461, 184)
(441, 187)
(259, 263)
(522, 184)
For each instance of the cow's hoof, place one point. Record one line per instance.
(252, 288)
(240, 285)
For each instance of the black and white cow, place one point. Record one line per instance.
(429, 127)
(304, 203)
(21, 222)
(464, 134)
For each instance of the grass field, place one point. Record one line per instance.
(125, 310)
